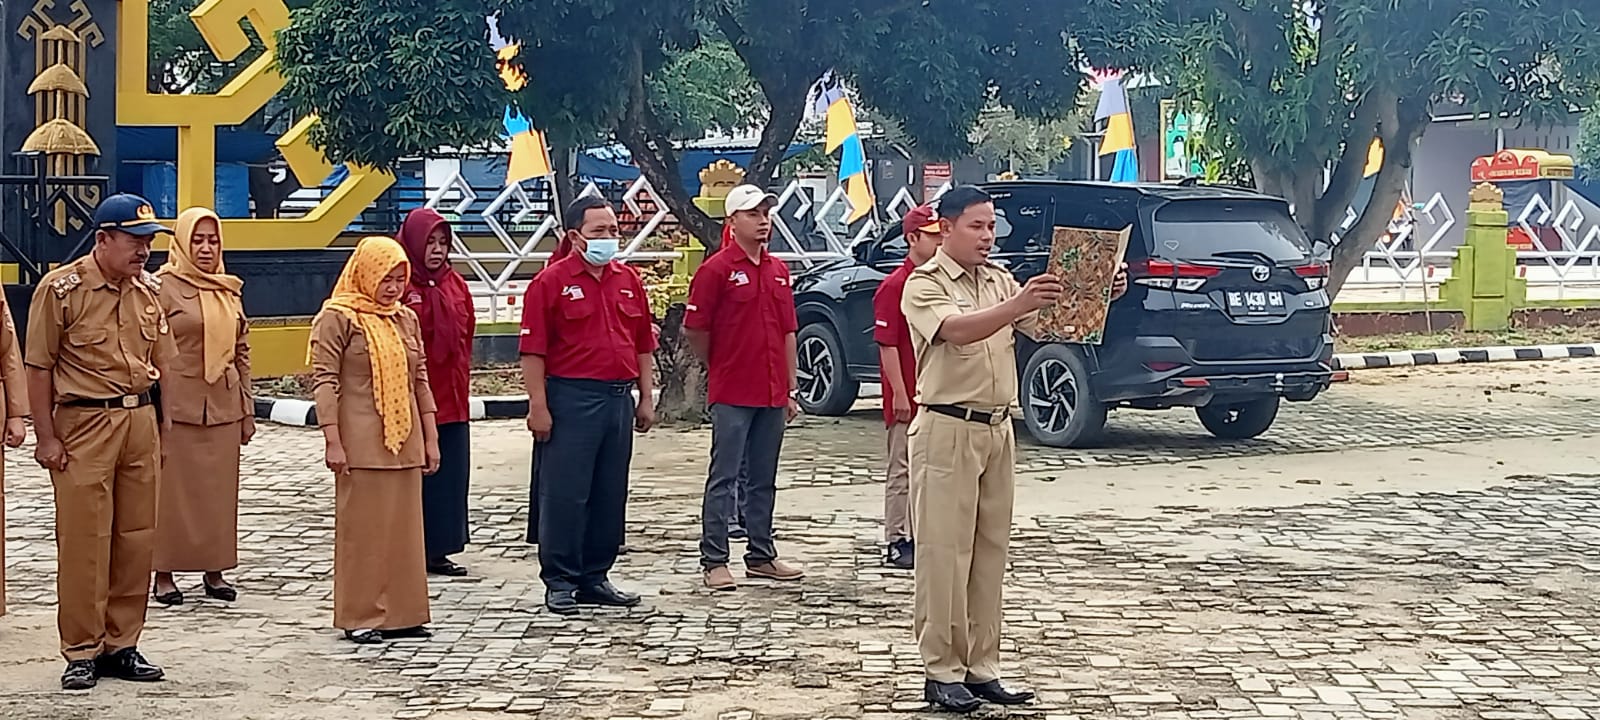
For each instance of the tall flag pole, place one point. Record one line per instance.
(843, 136)
(1118, 138)
(530, 155)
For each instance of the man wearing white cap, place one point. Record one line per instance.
(741, 321)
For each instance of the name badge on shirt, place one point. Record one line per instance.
(627, 293)
(963, 302)
(783, 280)
(738, 277)
(572, 292)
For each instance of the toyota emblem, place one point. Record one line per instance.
(1261, 273)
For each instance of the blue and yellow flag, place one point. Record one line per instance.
(842, 135)
(530, 156)
(1118, 137)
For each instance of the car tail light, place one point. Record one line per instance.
(1315, 275)
(1340, 376)
(1169, 275)
(1195, 382)
(1163, 366)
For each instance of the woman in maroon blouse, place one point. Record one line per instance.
(439, 297)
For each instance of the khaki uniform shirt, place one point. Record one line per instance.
(99, 340)
(189, 398)
(13, 381)
(341, 377)
(977, 376)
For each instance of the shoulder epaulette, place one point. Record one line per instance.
(66, 283)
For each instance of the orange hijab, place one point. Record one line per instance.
(220, 303)
(355, 296)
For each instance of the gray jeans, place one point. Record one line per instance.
(752, 438)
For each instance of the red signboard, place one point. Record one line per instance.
(1515, 165)
(934, 176)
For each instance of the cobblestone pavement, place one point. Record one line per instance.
(1409, 574)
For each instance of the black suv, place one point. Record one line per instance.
(1225, 310)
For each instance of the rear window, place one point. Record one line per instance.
(1236, 230)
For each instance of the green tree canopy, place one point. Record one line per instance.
(391, 79)
(1297, 86)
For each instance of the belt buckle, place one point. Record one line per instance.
(130, 402)
(999, 417)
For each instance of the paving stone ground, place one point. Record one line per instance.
(1418, 544)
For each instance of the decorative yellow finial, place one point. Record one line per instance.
(720, 177)
(1486, 196)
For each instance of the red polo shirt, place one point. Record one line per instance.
(748, 309)
(587, 328)
(889, 328)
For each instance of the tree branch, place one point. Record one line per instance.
(1347, 170)
(640, 132)
(1400, 135)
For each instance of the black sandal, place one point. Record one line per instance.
(364, 637)
(169, 598)
(225, 593)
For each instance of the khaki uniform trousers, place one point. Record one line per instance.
(897, 486)
(105, 526)
(961, 493)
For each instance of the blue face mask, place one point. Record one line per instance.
(599, 251)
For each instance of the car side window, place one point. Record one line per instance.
(1019, 223)
(892, 249)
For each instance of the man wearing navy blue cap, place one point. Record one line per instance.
(97, 340)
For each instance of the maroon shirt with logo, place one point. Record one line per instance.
(747, 307)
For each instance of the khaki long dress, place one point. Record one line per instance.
(14, 401)
(380, 579)
(197, 521)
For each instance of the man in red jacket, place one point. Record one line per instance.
(898, 370)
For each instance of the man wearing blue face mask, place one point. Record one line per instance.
(587, 344)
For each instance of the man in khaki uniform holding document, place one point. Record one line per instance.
(962, 310)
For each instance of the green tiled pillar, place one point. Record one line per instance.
(1483, 277)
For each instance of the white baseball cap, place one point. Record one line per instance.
(747, 197)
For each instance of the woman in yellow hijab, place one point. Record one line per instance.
(210, 408)
(370, 383)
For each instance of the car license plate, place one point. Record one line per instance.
(1256, 302)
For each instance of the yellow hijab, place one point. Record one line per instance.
(220, 305)
(356, 297)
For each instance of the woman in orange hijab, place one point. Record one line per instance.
(212, 410)
(370, 383)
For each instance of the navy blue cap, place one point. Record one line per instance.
(130, 214)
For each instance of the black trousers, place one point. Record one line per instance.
(582, 480)
(444, 493)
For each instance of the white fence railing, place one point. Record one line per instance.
(1408, 265)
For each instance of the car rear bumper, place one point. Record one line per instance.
(1156, 372)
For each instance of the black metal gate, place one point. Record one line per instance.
(44, 220)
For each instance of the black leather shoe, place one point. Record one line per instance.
(608, 595)
(446, 568)
(364, 636)
(420, 631)
(996, 693)
(561, 602)
(128, 664)
(80, 675)
(949, 697)
(901, 555)
(225, 593)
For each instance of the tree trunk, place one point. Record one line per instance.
(683, 376)
(563, 176)
(1401, 129)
